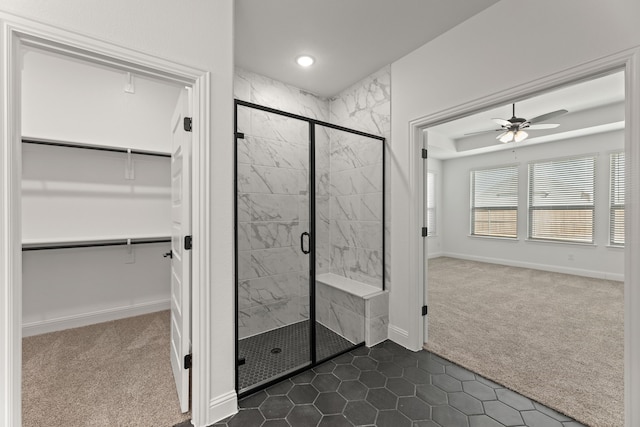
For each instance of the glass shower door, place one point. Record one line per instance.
(273, 246)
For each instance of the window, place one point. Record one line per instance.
(494, 202)
(431, 204)
(561, 199)
(616, 215)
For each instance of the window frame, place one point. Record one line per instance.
(564, 207)
(473, 209)
(613, 174)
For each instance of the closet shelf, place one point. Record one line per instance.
(68, 144)
(87, 243)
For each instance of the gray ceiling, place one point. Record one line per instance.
(350, 39)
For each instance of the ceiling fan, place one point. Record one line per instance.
(514, 128)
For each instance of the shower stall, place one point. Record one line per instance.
(309, 242)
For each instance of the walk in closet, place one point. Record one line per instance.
(96, 224)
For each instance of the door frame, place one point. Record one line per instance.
(629, 61)
(15, 33)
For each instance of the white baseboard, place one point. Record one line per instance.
(99, 316)
(399, 336)
(222, 407)
(544, 267)
(431, 255)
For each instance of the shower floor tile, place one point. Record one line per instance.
(274, 353)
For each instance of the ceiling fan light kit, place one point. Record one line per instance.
(514, 128)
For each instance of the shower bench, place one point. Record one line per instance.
(355, 310)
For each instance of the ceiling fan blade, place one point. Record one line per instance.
(501, 135)
(547, 116)
(484, 131)
(502, 122)
(543, 126)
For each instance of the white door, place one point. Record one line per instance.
(181, 258)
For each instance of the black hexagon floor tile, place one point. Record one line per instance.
(392, 387)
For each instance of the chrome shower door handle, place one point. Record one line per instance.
(302, 242)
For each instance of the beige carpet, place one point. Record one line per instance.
(110, 374)
(555, 338)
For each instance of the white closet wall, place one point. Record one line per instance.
(74, 194)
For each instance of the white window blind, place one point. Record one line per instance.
(561, 199)
(431, 204)
(494, 202)
(616, 218)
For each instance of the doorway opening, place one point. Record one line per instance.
(99, 153)
(531, 233)
(21, 36)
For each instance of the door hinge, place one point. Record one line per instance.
(187, 361)
(424, 153)
(425, 232)
(188, 123)
(424, 310)
(240, 135)
(188, 243)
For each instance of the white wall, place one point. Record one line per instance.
(71, 100)
(198, 33)
(596, 260)
(432, 79)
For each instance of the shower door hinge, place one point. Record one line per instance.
(240, 135)
(424, 153)
(188, 124)
(425, 231)
(187, 361)
(424, 310)
(188, 243)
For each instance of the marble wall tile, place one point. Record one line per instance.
(274, 207)
(244, 233)
(270, 180)
(371, 179)
(378, 305)
(322, 311)
(344, 233)
(266, 290)
(269, 262)
(277, 127)
(263, 90)
(244, 295)
(304, 284)
(268, 215)
(345, 322)
(377, 330)
(244, 119)
(345, 208)
(369, 235)
(366, 105)
(266, 235)
(256, 150)
(345, 183)
(246, 267)
(370, 207)
(244, 207)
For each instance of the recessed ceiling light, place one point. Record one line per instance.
(305, 60)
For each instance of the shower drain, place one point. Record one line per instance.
(276, 350)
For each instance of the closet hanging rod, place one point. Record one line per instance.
(93, 243)
(91, 147)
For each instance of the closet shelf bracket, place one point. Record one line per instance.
(129, 172)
